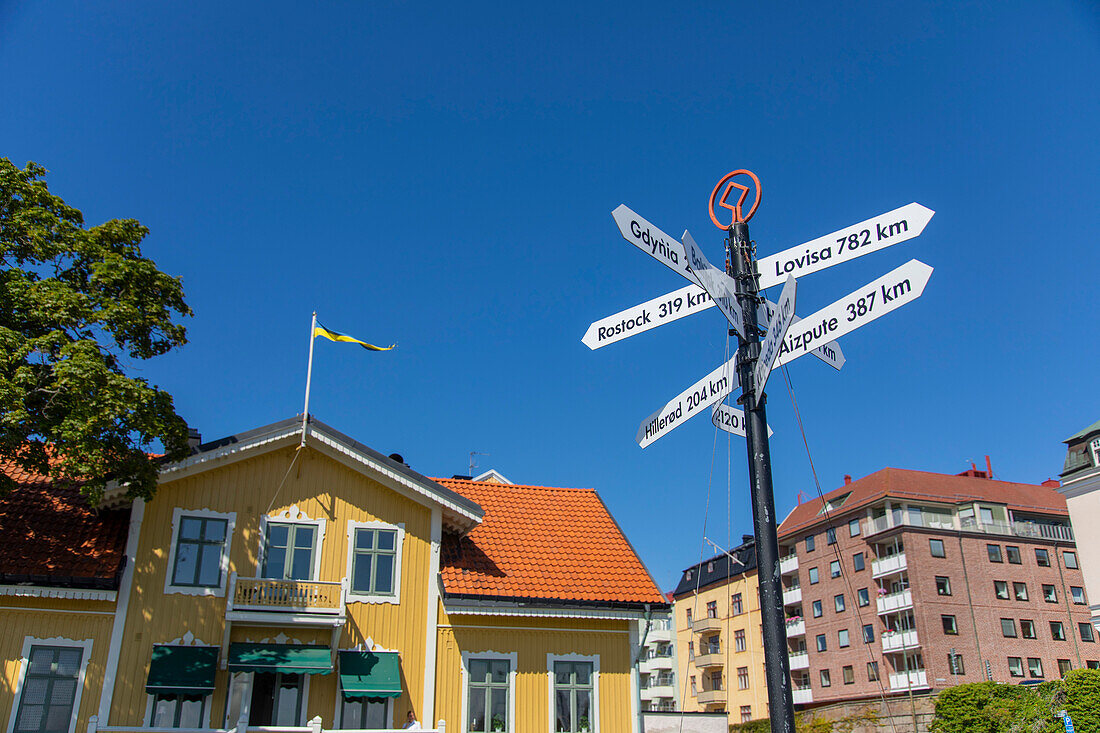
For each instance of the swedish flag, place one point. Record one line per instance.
(319, 330)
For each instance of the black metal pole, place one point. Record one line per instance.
(741, 266)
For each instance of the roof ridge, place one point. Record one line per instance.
(514, 486)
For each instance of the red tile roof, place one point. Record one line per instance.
(49, 535)
(923, 485)
(539, 542)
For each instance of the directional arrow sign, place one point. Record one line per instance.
(845, 245)
(719, 286)
(730, 419)
(710, 389)
(777, 329)
(651, 240)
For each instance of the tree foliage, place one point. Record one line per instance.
(991, 707)
(76, 303)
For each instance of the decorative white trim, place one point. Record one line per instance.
(279, 638)
(293, 515)
(594, 714)
(43, 591)
(368, 646)
(492, 473)
(177, 514)
(24, 664)
(78, 612)
(545, 629)
(432, 618)
(503, 608)
(188, 639)
(399, 545)
(122, 608)
(513, 659)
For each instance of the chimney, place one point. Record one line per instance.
(399, 458)
(194, 439)
(988, 468)
(847, 479)
(1051, 483)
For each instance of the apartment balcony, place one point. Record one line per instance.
(788, 564)
(895, 601)
(900, 641)
(652, 665)
(707, 623)
(796, 628)
(656, 692)
(1033, 530)
(802, 695)
(271, 602)
(888, 565)
(717, 659)
(708, 697)
(658, 634)
(908, 680)
(792, 596)
(799, 660)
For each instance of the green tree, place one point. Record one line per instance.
(75, 302)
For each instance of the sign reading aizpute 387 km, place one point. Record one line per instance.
(789, 336)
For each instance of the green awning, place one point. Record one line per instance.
(370, 674)
(182, 670)
(285, 658)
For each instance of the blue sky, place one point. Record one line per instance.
(443, 176)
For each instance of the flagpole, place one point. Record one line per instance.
(309, 377)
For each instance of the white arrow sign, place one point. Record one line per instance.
(893, 290)
(651, 240)
(719, 285)
(777, 329)
(730, 419)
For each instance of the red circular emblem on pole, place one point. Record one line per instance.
(736, 208)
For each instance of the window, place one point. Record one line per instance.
(737, 607)
(694, 686)
(838, 602)
(1035, 667)
(1069, 559)
(868, 633)
(1092, 664)
(1085, 628)
(364, 712)
(276, 699)
(834, 569)
(955, 663)
(842, 639)
(739, 640)
(830, 536)
(712, 609)
(289, 551)
(1027, 629)
(863, 598)
(1016, 666)
(1078, 594)
(816, 608)
(936, 547)
(949, 625)
(994, 552)
(716, 680)
(986, 515)
(813, 575)
(179, 711)
(742, 678)
(849, 674)
(489, 693)
(713, 645)
(51, 688)
(857, 561)
(746, 713)
(573, 692)
(1050, 595)
(1008, 628)
(825, 680)
(1042, 557)
(1000, 589)
(375, 562)
(821, 646)
(1064, 666)
(1013, 554)
(943, 585)
(1020, 591)
(853, 528)
(687, 613)
(810, 543)
(199, 559)
(1057, 631)
(872, 671)
(691, 650)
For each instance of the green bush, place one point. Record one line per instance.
(1081, 690)
(988, 707)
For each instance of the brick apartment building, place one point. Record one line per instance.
(912, 581)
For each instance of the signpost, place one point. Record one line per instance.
(737, 293)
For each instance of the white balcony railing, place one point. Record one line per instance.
(908, 680)
(788, 564)
(297, 596)
(792, 596)
(796, 628)
(889, 565)
(799, 660)
(655, 692)
(899, 640)
(802, 695)
(1037, 530)
(895, 601)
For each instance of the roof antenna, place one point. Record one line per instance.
(473, 461)
(719, 548)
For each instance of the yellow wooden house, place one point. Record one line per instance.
(290, 576)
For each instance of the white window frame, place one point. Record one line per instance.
(513, 659)
(399, 546)
(150, 710)
(340, 704)
(292, 516)
(594, 659)
(24, 665)
(177, 515)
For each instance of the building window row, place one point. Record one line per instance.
(1057, 629)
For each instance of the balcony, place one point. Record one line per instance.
(788, 564)
(908, 680)
(657, 634)
(659, 689)
(708, 623)
(279, 602)
(796, 628)
(895, 601)
(899, 641)
(888, 565)
(717, 659)
(802, 695)
(792, 596)
(707, 697)
(799, 660)
(655, 664)
(1034, 530)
